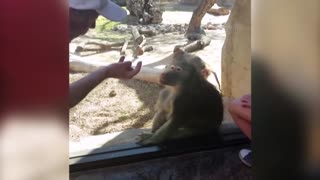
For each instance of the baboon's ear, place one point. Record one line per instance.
(205, 73)
(178, 51)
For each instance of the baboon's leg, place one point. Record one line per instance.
(162, 134)
(158, 120)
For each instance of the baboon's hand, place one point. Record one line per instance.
(142, 138)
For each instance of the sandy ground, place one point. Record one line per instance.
(132, 107)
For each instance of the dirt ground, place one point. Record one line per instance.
(132, 106)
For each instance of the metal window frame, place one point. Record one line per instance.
(129, 153)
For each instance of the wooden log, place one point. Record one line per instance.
(124, 47)
(136, 35)
(139, 49)
(111, 45)
(218, 12)
(78, 66)
(148, 32)
(146, 73)
(101, 47)
(138, 43)
(143, 41)
(149, 74)
(195, 45)
(195, 21)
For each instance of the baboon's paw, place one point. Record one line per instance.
(143, 137)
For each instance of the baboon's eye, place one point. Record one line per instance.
(172, 67)
(178, 69)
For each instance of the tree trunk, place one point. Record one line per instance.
(195, 22)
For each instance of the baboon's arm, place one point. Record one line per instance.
(163, 133)
(158, 120)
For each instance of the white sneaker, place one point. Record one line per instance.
(245, 156)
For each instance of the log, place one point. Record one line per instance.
(101, 47)
(195, 22)
(218, 12)
(149, 75)
(148, 32)
(195, 45)
(146, 73)
(78, 66)
(139, 50)
(136, 35)
(124, 47)
(138, 42)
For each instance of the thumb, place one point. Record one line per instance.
(137, 68)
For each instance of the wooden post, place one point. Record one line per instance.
(124, 47)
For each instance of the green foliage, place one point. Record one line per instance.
(103, 24)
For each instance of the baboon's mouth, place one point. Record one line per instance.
(162, 81)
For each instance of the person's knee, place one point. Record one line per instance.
(233, 106)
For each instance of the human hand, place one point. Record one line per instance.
(122, 69)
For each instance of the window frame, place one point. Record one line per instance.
(229, 135)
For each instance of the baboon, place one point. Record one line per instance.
(188, 106)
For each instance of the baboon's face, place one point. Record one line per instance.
(175, 73)
(183, 65)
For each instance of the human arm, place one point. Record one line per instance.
(121, 70)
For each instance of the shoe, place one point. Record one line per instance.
(245, 156)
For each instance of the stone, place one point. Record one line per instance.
(122, 27)
(145, 11)
(225, 3)
(112, 93)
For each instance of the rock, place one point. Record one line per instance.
(154, 29)
(157, 16)
(148, 31)
(194, 36)
(148, 48)
(145, 11)
(121, 27)
(112, 93)
(225, 3)
(131, 20)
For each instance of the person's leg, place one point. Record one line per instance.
(240, 110)
(241, 114)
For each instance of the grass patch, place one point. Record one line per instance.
(104, 30)
(103, 24)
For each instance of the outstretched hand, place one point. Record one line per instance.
(123, 69)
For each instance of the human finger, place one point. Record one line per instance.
(136, 69)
